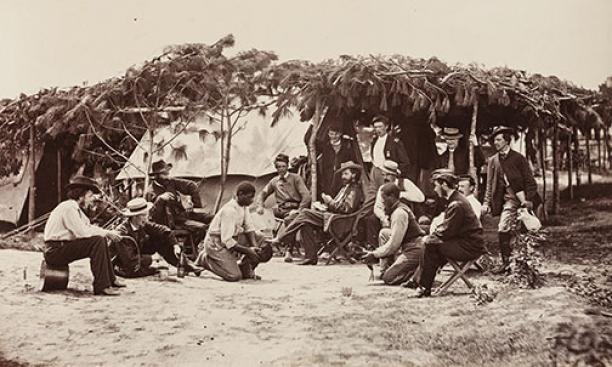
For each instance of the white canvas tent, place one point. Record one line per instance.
(196, 152)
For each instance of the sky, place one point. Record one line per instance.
(68, 42)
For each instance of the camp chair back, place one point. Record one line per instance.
(343, 228)
(459, 270)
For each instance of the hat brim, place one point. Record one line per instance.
(451, 136)
(386, 170)
(128, 213)
(165, 170)
(94, 188)
(502, 130)
(353, 166)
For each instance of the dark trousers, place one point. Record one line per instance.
(373, 228)
(64, 252)
(306, 223)
(161, 246)
(459, 249)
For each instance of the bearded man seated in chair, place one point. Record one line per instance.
(347, 201)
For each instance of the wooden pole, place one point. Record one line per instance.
(576, 148)
(472, 168)
(312, 147)
(149, 162)
(556, 194)
(570, 164)
(598, 138)
(58, 156)
(32, 170)
(543, 142)
(588, 154)
(606, 149)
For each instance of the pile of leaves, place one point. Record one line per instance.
(527, 260)
(594, 292)
(483, 294)
(582, 345)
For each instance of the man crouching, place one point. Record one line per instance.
(232, 249)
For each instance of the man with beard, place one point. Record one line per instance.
(399, 248)
(348, 200)
(510, 185)
(409, 193)
(70, 236)
(458, 237)
(150, 238)
(232, 249)
(331, 155)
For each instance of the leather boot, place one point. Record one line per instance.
(506, 251)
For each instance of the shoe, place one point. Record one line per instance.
(288, 258)
(410, 284)
(422, 292)
(118, 284)
(190, 266)
(308, 262)
(107, 292)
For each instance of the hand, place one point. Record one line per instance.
(326, 198)
(369, 258)
(528, 204)
(114, 236)
(484, 210)
(260, 210)
(177, 251)
(167, 196)
(252, 255)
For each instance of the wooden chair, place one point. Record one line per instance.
(459, 270)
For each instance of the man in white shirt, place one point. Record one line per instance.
(466, 186)
(70, 236)
(409, 192)
(232, 249)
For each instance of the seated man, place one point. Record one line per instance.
(409, 192)
(399, 248)
(289, 191)
(169, 194)
(347, 201)
(150, 238)
(70, 236)
(466, 186)
(458, 237)
(232, 249)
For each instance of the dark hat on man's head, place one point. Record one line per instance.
(501, 130)
(84, 182)
(349, 165)
(160, 166)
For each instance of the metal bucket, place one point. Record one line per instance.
(53, 277)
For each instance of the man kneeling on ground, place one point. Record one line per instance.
(232, 249)
(150, 238)
(400, 247)
(458, 237)
(70, 236)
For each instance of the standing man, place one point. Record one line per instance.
(232, 249)
(409, 192)
(385, 147)
(458, 237)
(289, 191)
(510, 185)
(330, 156)
(151, 238)
(466, 186)
(70, 236)
(399, 248)
(347, 201)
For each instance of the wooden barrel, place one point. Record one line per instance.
(53, 277)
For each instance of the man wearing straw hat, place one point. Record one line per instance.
(69, 236)
(151, 238)
(348, 200)
(458, 237)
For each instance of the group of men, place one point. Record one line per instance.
(230, 247)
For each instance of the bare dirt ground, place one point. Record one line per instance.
(316, 316)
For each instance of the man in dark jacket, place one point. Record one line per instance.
(348, 200)
(385, 147)
(459, 237)
(510, 185)
(150, 238)
(331, 154)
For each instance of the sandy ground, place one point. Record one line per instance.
(295, 316)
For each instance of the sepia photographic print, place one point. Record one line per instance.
(306, 183)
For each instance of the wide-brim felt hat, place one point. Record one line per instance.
(349, 165)
(136, 207)
(160, 167)
(84, 182)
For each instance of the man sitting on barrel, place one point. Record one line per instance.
(149, 238)
(232, 249)
(458, 237)
(70, 236)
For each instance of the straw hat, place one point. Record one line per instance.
(136, 207)
(391, 167)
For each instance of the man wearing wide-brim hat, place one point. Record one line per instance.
(458, 237)
(348, 200)
(69, 236)
(151, 238)
(510, 185)
(168, 194)
(450, 138)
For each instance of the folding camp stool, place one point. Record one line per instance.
(460, 268)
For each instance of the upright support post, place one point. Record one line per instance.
(32, 170)
(577, 154)
(556, 195)
(588, 156)
(472, 169)
(543, 142)
(149, 162)
(312, 147)
(598, 138)
(570, 165)
(58, 157)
